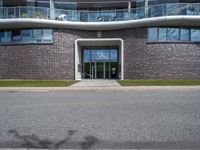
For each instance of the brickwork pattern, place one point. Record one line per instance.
(142, 60)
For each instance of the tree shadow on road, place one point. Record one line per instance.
(34, 141)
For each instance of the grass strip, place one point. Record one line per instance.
(36, 83)
(159, 82)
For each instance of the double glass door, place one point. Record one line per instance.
(100, 63)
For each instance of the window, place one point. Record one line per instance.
(16, 36)
(162, 34)
(47, 35)
(37, 35)
(173, 34)
(153, 34)
(26, 35)
(184, 34)
(195, 35)
(5, 36)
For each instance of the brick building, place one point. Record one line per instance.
(110, 39)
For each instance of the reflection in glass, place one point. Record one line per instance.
(195, 35)
(173, 34)
(99, 55)
(100, 63)
(153, 34)
(185, 34)
(162, 34)
(86, 55)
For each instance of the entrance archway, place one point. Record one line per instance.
(99, 59)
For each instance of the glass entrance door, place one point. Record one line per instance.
(100, 63)
(100, 67)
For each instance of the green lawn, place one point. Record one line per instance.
(158, 82)
(36, 83)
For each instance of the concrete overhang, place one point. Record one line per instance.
(179, 21)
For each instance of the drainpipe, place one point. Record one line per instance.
(52, 10)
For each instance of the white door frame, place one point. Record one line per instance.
(98, 42)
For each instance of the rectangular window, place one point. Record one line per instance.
(26, 35)
(37, 35)
(153, 34)
(184, 34)
(162, 34)
(6, 36)
(195, 35)
(173, 34)
(47, 35)
(16, 36)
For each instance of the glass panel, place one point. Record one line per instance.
(86, 55)
(99, 55)
(16, 36)
(195, 35)
(173, 34)
(162, 34)
(84, 16)
(153, 34)
(113, 69)
(172, 9)
(107, 70)
(100, 70)
(92, 16)
(37, 35)
(11, 12)
(97, 63)
(185, 34)
(113, 55)
(86, 73)
(26, 35)
(93, 70)
(5, 36)
(47, 35)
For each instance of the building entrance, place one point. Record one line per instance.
(100, 62)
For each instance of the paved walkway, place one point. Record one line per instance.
(96, 83)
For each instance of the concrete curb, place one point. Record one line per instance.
(100, 89)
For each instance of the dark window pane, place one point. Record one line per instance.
(16, 36)
(162, 34)
(173, 34)
(185, 34)
(26, 35)
(6, 36)
(153, 34)
(195, 35)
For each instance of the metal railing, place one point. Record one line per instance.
(169, 9)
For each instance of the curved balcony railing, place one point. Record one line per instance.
(170, 9)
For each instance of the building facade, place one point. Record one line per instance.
(107, 39)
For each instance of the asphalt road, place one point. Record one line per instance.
(148, 119)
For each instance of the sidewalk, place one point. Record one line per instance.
(100, 89)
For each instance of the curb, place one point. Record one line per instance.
(100, 89)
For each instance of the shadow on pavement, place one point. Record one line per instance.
(34, 141)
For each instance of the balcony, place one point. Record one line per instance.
(172, 9)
